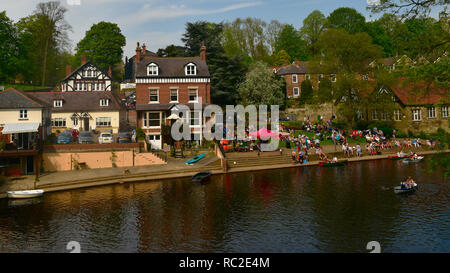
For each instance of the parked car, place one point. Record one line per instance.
(105, 138)
(85, 137)
(65, 137)
(124, 137)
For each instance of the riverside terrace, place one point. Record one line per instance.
(175, 168)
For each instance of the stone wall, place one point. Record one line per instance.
(325, 110)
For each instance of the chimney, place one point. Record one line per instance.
(144, 48)
(83, 59)
(203, 52)
(138, 53)
(68, 70)
(110, 72)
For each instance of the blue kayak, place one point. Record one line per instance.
(195, 159)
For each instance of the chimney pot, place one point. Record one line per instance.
(68, 70)
(83, 59)
(110, 72)
(144, 48)
(138, 53)
(203, 52)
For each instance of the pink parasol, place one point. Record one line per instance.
(263, 133)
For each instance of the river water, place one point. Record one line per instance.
(304, 209)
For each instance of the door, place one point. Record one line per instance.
(86, 124)
(155, 141)
(30, 164)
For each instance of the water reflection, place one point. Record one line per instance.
(305, 209)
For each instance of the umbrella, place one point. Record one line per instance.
(173, 116)
(263, 133)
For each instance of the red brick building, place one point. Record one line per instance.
(164, 82)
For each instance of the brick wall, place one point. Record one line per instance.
(143, 94)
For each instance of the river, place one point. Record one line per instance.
(304, 209)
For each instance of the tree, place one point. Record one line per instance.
(261, 87)
(307, 92)
(325, 92)
(409, 8)
(313, 26)
(348, 19)
(103, 45)
(380, 37)
(271, 33)
(281, 58)
(172, 51)
(226, 71)
(52, 29)
(8, 47)
(290, 40)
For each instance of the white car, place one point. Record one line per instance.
(105, 138)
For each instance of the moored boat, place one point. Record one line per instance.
(25, 194)
(411, 160)
(195, 159)
(400, 189)
(202, 176)
(396, 157)
(333, 164)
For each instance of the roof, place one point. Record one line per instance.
(78, 101)
(410, 94)
(83, 65)
(293, 69)
(15, 128)
(171, 67)
(15, 99)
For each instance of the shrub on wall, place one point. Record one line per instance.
(140, 134)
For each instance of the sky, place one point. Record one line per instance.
(159, 23)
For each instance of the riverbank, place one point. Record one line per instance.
(69, 180)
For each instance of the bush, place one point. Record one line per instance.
(422, 135)
(140, 134)
(2, 145)
(50, 139)
(339, 124)
(410, 134)
(401, 134)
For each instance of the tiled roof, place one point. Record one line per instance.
(417, 94)
(78, 101)
(15, 99)
(293, 69)
(172, 67)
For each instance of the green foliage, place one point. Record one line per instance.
(2, 145)
(281, 58)
(290, 40)
(313, 26)
(262, 87)
(103, 45)
(409, 8)
(50, 139)
(347, 19)
(172, 51)
(140, 134)
(113, 159)
(8, 47)
(325, 92)
(383, 126)
(307, 92)
(380, 37)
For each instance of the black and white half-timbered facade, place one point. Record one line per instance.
(88, 77)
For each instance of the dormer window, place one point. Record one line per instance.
(190, 69)
(57, 103)
(152, 69)
(104, 102)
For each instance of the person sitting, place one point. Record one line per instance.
(294, 156)
(334, 160)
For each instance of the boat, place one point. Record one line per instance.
(410, 160)
(333, 164)
(25, 194)
(396, 157)
(195, 159)
(399, 190)
(202, 177)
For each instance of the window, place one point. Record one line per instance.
(191, 69)
(397, 115)
(374, 115)
(416, 115)
(23, 114)
(383, 115)
(57, 103)
(294, 78)
(444, 111)
(174, 95)
(359, 114)
(58, 122)
(431, 112)
(333, 77)
(89, 73)
(193, 95)
(104, 102)
(151, 120)
(75, 122)
(104, 121)
(152, 69)
(296, 92)
(154, 96)
(195, 118)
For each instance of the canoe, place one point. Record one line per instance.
(195, 159)
(25, 194)
(202, 176)
(396, 157)
(331, 164)
(410, 160)
(399, 190)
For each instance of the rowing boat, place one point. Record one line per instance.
(25, 194)
(399, 189)
(410, 160)
(333, 164)
(195, 159)
(396, 157)
(202, 176)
